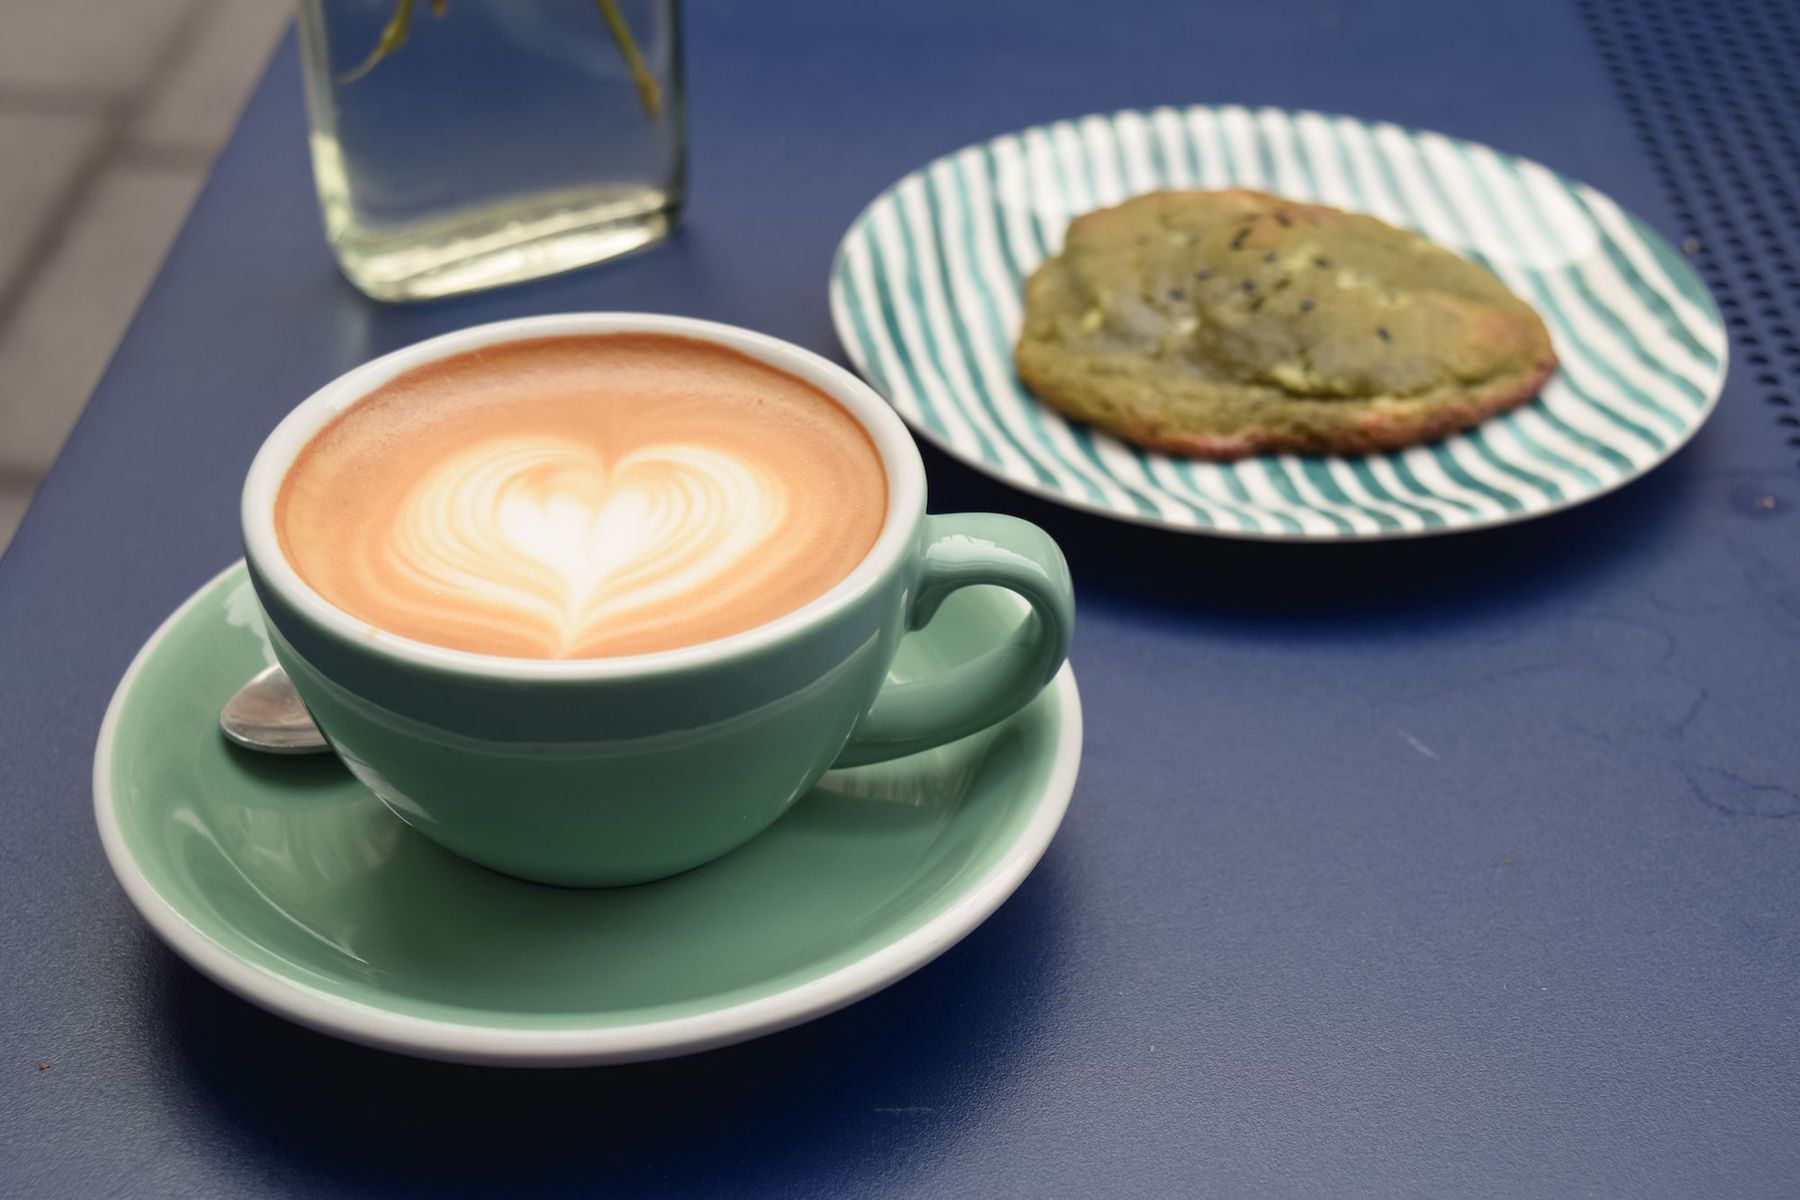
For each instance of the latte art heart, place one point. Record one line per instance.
(582, 497)
(545, 539)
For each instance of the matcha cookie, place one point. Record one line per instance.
(1226, 324)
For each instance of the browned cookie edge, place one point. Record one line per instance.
(1432, 418)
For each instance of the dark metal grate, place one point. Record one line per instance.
(1714, 90)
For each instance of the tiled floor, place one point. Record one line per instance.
(110, 114)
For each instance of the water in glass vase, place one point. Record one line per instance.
(501, 141)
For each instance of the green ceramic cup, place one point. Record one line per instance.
(621, 770)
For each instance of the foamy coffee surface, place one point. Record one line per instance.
(580, 497)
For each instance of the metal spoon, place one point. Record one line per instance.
(266, 714)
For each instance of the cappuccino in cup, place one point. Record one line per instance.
(592, 599)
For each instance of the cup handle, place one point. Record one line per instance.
(961, 550)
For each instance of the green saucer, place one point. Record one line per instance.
(289, 884)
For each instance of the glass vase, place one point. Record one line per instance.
(491, 141)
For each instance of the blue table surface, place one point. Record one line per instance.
(1465, 866)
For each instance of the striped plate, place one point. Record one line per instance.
(925, 294)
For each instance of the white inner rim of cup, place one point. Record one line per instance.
(899, 458)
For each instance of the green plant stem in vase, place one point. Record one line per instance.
(393, 36)
(497, 141)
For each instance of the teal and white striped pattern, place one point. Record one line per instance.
(926, 293)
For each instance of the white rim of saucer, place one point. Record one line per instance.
(899, 458)
(452, 1041)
